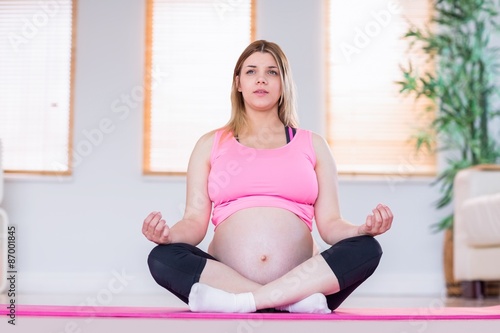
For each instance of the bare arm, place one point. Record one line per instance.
(193, 226)
(331, 226)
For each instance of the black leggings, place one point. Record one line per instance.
(177, 267)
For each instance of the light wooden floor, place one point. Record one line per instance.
(126, 325)
(158, 300)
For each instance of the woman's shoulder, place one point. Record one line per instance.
(204, 143)
(320, 144)
(317, 139)
(209, 136)
(207, 140)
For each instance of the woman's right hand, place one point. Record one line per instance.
(156, 229)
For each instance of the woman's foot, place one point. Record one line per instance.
(316, 303)
(204, 298)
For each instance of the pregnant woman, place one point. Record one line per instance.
(263, 182)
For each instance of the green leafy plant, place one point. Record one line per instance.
(460, 85)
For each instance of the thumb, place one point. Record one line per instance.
(166, 233)
(368, 224)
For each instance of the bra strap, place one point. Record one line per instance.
(290, 133)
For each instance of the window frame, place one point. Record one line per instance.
(69, 171)
(404, 171)
(148, 82)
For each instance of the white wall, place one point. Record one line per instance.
(76, 234)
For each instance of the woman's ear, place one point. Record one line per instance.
(237, 78)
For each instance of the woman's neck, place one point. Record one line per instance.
(263, 133)
(259, 122)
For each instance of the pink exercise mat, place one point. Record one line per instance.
(443, 313)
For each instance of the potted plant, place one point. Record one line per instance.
(461, 85)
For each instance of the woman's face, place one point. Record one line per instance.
(259, 82)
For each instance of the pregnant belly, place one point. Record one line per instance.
(262, 243)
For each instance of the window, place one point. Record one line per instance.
(369, 122)
(36, 43)
(191, 49)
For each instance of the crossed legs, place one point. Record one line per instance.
(300, 290)
(209, 286)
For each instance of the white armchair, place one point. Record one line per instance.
(476, 228)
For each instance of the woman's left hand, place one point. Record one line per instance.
(378, 222)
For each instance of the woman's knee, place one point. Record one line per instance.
(177, 266)
(358, 248)
(166, 251)
(165, 257)
(369, 246)
(158, 258)
(353, 259)
(372, 252)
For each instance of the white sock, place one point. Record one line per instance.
(316, 303)
(204, 298)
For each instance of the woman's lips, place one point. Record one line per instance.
(260, 92)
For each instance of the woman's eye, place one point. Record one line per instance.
(272, 72)
(250, 71)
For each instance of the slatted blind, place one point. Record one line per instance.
(191, 49)
(36, 39)
(369, 122)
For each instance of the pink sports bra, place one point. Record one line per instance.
(243, 177)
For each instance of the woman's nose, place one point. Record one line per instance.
(261, 79)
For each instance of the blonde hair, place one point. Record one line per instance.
(286, 106)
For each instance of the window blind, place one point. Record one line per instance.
(36, 40)
(191, 49)
(369, 123)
